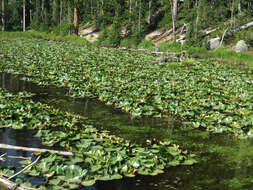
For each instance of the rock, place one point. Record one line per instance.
(241, 46)
(214, 43)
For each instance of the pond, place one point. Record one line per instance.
(225, 162)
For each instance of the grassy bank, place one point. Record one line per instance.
(46, 36)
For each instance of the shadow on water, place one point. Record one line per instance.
(224, 161)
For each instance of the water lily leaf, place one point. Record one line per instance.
(88, 183)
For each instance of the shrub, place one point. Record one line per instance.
(174, 46)
(147, 45)
(128, 42)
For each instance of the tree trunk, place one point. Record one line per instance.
(23, 15)
(174, 17)
(43, 9)
(37, 9)
(239, 7)
(11, 185)
(76, 19)
(139, 23)
(130, 7)
(243, 27)
(149, 11)
(101, 10)
(28, 149)
(91, 8)
(232, 14)
(197, 18)
(60, 13)
(30, 7)
(3, 15)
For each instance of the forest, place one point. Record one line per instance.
(126, 22)
(126, 94)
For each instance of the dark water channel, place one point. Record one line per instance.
(225, 162)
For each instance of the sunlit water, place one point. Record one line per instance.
(225, 162)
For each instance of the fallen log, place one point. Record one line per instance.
(243, 27)
(11, 147)
(11, 185)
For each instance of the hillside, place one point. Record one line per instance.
(130, 22)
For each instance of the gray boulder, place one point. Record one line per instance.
(214, 43)
(241, 46)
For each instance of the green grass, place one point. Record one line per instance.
(46, 36)
(244, 57)
(224, 55)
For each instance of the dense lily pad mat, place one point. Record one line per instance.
(97, 155)
(206, 94)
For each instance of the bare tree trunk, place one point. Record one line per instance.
(174, 17)
(3, 15)
(197, 18)
(60, 12)
(76, 19)
(162, 2)
(43, 9)
(130, 7)
(243, 27)
(232, 14)
(11, 185)
(239, 7)
(130, 10)
(139, 23)
(23, 15)
(37, 9)
(12, 147)
(30, 2)
(91, 8)
(69, 14)
(149, 11)
(101, 9)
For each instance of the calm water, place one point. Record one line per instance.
(224, 161)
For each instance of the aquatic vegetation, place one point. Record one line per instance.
(205, 94)
(97, 154)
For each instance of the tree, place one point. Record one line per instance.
(174, 17)
(3, 15)
(76, 17)
(24, 12)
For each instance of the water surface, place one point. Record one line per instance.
(225, 162)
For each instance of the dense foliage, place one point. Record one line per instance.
(209, 94)
(97, 155)
(135, 17)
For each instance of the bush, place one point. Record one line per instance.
(147, 45)
(174, 46)
(63, 30)
(128, 42)
(115, 33)
(35, 24)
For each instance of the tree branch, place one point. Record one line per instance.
(27, 167)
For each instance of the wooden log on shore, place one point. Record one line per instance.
(11, 147)
(11, 185)
(243, 27)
